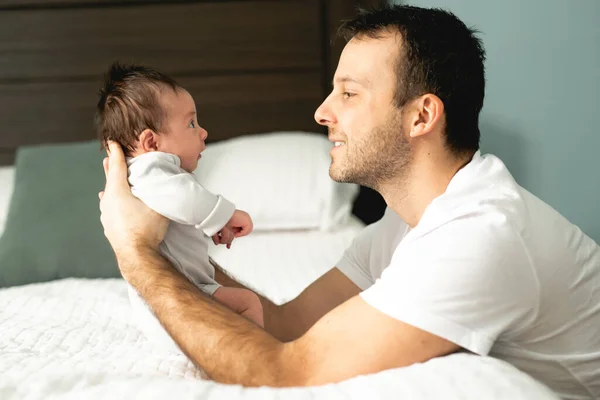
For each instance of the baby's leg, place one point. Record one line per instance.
(241, 301)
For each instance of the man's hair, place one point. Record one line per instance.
(129, 103)
(439, 55)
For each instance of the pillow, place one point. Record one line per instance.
(281, 179)
(53, 225)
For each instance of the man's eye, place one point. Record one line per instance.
(192, 124)
(348, 94)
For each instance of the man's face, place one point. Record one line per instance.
(361, 115)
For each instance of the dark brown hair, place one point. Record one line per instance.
(439, 55)
(129, 103)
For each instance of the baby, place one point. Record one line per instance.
(154, 119)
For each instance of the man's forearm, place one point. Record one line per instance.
(226, 346)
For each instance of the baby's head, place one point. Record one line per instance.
(144, 110)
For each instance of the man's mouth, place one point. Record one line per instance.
(338, 144)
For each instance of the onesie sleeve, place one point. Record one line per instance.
(157, 179)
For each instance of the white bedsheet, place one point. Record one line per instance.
(72, 339)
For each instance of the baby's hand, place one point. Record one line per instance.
(240, 224)
(224, 236)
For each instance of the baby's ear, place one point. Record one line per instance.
(148, 140)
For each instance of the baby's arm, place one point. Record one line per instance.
(157, 180)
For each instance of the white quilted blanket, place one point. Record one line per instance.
(71, 339)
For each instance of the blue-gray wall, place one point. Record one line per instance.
(542, 106)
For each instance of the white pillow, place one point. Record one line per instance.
(281, 179)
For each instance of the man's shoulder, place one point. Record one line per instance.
(482, 194)
(476, 229)
(483, 231)
(479, 214)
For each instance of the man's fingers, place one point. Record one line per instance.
(116, 176)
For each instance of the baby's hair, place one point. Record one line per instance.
(129, 103)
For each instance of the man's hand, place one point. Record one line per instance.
(128, 223)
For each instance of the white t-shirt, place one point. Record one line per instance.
(495, 270)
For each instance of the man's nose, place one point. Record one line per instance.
(324, 116)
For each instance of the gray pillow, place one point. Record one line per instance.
(53, 228)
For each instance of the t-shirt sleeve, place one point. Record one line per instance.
(469, 281)
(176, 195)
(355, 260)
(371, 249)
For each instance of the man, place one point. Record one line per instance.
(464, 258)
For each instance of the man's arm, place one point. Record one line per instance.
(232, 349)
(291, 320)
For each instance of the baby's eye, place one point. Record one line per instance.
(192, 124)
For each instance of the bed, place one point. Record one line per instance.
(257, 70)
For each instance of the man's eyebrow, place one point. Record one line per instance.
(344, 79)
(190, 113)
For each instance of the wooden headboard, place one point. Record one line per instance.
(252, 65)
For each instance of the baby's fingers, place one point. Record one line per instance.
(243, 230)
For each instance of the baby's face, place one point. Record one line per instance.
(183, 137)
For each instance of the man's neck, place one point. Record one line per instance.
(428, 177)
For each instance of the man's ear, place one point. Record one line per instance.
(148, 140)
(426, 113)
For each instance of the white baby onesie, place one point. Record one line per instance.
(195, 215)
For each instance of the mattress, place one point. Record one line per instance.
(73, 339)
